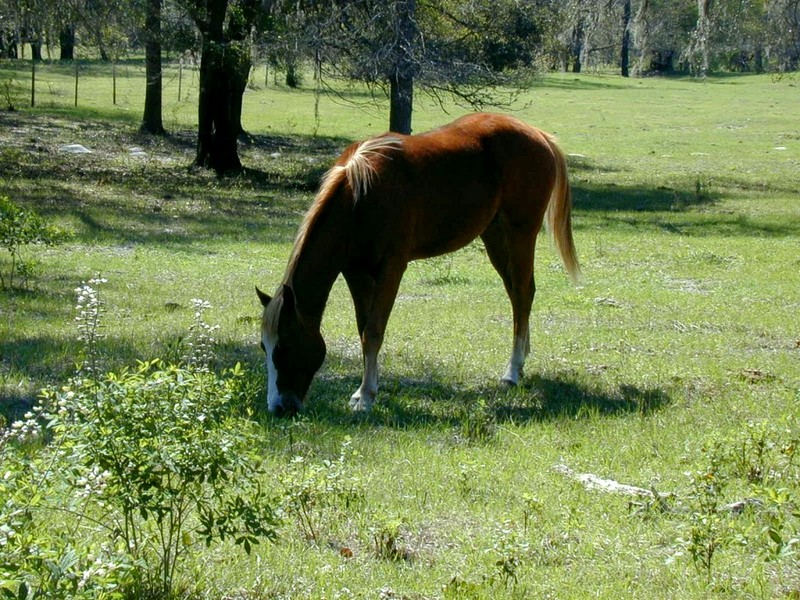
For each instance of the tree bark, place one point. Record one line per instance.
(152, 121)
(66, 42)
(626, 38)
(641, 39)
(36, 47)
(576, 48)
(401, 80)
(703, 33)
(224, 69)
(401, 104)
(216, 138)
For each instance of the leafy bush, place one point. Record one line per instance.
(313, 494)
(10, 93)
(140, 468)
(161, 464)
(19, 228)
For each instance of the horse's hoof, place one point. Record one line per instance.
(360, 404)
(508, 381)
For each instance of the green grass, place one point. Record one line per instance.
(684, 330)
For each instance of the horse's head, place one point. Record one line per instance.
(294, 351)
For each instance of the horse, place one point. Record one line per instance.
(397, 198)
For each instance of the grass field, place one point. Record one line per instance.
(679, 349)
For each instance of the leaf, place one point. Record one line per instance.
(775, 536)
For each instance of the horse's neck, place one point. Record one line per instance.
(318, 262)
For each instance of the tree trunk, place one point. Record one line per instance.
(576, 48)
(292, 75)
(36, 47)
(216, 135)
(641, 38)
(703, 33)
(401, 104)
(239, 74)
(66, 41)
(152, 121)
(626, 37)
(224, 69)
(401, 81)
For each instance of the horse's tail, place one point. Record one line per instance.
(558, 217)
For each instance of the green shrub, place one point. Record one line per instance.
(140, 468)
(315, 494)
(20, 228)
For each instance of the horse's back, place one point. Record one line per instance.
(439, 190)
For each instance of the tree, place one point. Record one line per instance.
(698, 51)
(66, 42)
(151, 120)
(626, 38)
(474, 52)
(402, 69)
(225, 60)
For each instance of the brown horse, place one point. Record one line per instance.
(396, 198)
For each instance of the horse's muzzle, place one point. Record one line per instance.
(288, 406)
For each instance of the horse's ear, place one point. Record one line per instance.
(265, 300)
(288, 298)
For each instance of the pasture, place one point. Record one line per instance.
(673, 366)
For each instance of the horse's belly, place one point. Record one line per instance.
(434, 236)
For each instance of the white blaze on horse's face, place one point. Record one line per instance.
(293, 352)
(273, 395)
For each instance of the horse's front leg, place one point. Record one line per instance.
(373, 299)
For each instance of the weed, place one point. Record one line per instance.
(10, 93)
(385, 536)
(531, 507)
(200, 341)
(315, 493)
(708, 531)
(20, 228)
(465, 484)
(511, 551)
(147, 458)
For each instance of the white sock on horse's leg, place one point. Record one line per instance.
(514, 370)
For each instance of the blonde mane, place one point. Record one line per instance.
(360, 168)
(359, 171)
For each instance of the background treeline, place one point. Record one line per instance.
(478, 52)
(637, 36)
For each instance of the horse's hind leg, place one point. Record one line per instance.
(511, 252)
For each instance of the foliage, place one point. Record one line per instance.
(708, 531)
(50, 543)
(10, 94)
(763, 457)
(683, 307)
(315, 494)
(385, 536)
(149, 459)
(20, 228)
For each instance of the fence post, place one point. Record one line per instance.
(33, 82)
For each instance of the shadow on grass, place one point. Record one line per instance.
(404, 403)
(159, 200)
(572, 81)
(638, 199)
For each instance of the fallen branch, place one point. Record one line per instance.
(593, 482)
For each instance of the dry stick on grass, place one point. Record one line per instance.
(593, 482)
